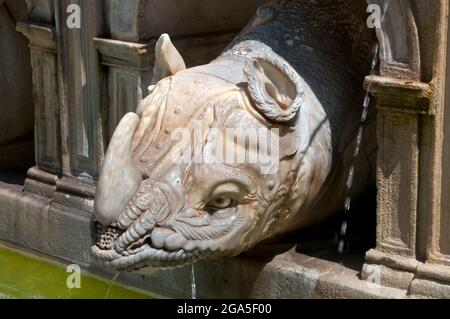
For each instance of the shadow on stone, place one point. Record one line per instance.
(319, 240)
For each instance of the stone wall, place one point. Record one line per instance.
(139, 20)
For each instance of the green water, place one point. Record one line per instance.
(26, 277)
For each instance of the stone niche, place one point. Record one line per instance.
(16, 124)
(84, 80)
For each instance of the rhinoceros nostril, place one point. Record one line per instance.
(106, 236)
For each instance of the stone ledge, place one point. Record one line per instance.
(436, 272)
(82, 187)
(398, 262)
(387, 276)
(62, 232)
(198, 49)
(430, 288)
(40, 182)
(400, 95)
(126, 54)
(391, 270)
(424, 280)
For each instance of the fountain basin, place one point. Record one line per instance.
(25, 276)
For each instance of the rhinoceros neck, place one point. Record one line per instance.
(302, 29)
(311, 37)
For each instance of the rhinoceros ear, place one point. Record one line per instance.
(274, 87)
(168, 60)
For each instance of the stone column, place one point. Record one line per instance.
(43, 47)
(401, 104)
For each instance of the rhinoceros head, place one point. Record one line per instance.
(168, 195)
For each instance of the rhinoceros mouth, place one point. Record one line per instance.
(149, 234)
(139, 255)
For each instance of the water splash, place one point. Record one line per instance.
(193, 284)
(341, 236)
(111, 284)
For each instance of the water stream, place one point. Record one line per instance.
(341, 239)
(193, 283)
(111, 284)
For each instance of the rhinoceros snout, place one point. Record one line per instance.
(155, 228)
(120, 178)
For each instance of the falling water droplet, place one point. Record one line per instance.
(356, 152)
(193, 285)
(366, 102)
(341, 246)
(360, 136)
(364, 115)
(111, 285)
(350, 177)
(348, 202)
(374, 62)
(344, 228)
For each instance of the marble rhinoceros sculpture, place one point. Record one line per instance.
(295, 73)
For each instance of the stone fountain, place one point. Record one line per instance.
(289, 74)
(129, 126)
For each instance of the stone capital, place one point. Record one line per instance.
(40, 35)
(400, 95)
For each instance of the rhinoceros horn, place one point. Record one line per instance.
(275, 87)
(120, 178)
(168, 61)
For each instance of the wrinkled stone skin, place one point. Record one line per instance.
(160, 211)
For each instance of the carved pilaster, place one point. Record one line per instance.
(439, 248)
(81, 102)
(82, 77)
(433, 277)
(43, 50)
(400, 106)
(129, 74)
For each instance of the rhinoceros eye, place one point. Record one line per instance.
(220, 202)
(222, 197)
